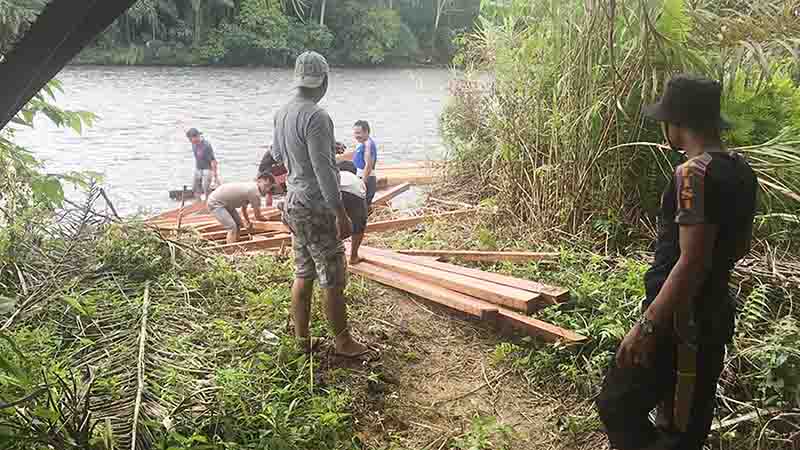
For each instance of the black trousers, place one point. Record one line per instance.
(628, 396)
(372, 187)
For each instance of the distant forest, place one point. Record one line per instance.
(273, 32)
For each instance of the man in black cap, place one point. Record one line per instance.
(304, 143)
(205, 164)
(673, 357)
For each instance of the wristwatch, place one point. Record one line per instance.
(647, 327)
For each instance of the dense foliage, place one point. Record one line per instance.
(273, 32)
(564, 109)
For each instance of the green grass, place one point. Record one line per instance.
(606, 292)
(212, 379)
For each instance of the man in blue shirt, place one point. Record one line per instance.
(205, 164)
(365, 158)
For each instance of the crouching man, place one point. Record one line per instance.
(222, 203)
(354, 197)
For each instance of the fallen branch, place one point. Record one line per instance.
(140, 365)
(383, 197)
(467, 394)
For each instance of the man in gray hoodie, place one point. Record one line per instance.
(313, 210)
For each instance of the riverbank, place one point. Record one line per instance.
(191, 348)
(184, 56)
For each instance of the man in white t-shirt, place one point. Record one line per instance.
(222, 203)
(354, 194)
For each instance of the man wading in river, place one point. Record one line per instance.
(673, 356)
(313, 210)
(205, 164)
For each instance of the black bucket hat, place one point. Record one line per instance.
(690, 101)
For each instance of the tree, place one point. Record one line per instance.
(201, 9)
(442, 6)
(14, 16)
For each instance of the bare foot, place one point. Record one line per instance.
(354, 260)
(350, 348)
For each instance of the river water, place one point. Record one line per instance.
(138, 142)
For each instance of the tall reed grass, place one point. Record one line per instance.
(558, 138)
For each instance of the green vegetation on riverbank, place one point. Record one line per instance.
(761, 369)
(273, 33)
(563, 119)
(562, 151)
(192, 350)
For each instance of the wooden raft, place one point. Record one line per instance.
(270, 234)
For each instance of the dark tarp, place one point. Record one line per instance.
(59, 33)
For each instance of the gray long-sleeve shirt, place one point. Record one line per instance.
(303, 141)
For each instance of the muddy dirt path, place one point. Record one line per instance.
(436, 384)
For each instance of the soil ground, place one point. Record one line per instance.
(432, 375)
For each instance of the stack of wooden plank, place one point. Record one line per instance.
(501, 300)
(271, 234)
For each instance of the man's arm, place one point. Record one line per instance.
(686, 278)
(697, 235)
(267, 161)
(212, 160)
(321, 143)
(370, 161)
(320, 151)
(215, 169)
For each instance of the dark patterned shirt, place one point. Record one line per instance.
(716, 188)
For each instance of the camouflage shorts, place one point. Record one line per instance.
(318, 251)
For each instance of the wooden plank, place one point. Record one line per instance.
(467, 304)
(270, 226)
(518, 299)
(537, 328)
(432, 292)
(208, 227)
(269, 213)
(256, 244)
(243, 233)
(483, 256)
(173, 213)
(258, 227)
(170, 223)
(413, 179)
(397, 224)
(552, 294)
(383, 197)
(185, 226)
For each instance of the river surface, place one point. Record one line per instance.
(138, 141)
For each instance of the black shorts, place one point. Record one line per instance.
(356, 208)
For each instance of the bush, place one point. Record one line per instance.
(369, 35)
(554, 134)
(264, 35)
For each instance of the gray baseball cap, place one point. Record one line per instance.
(310, 70)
